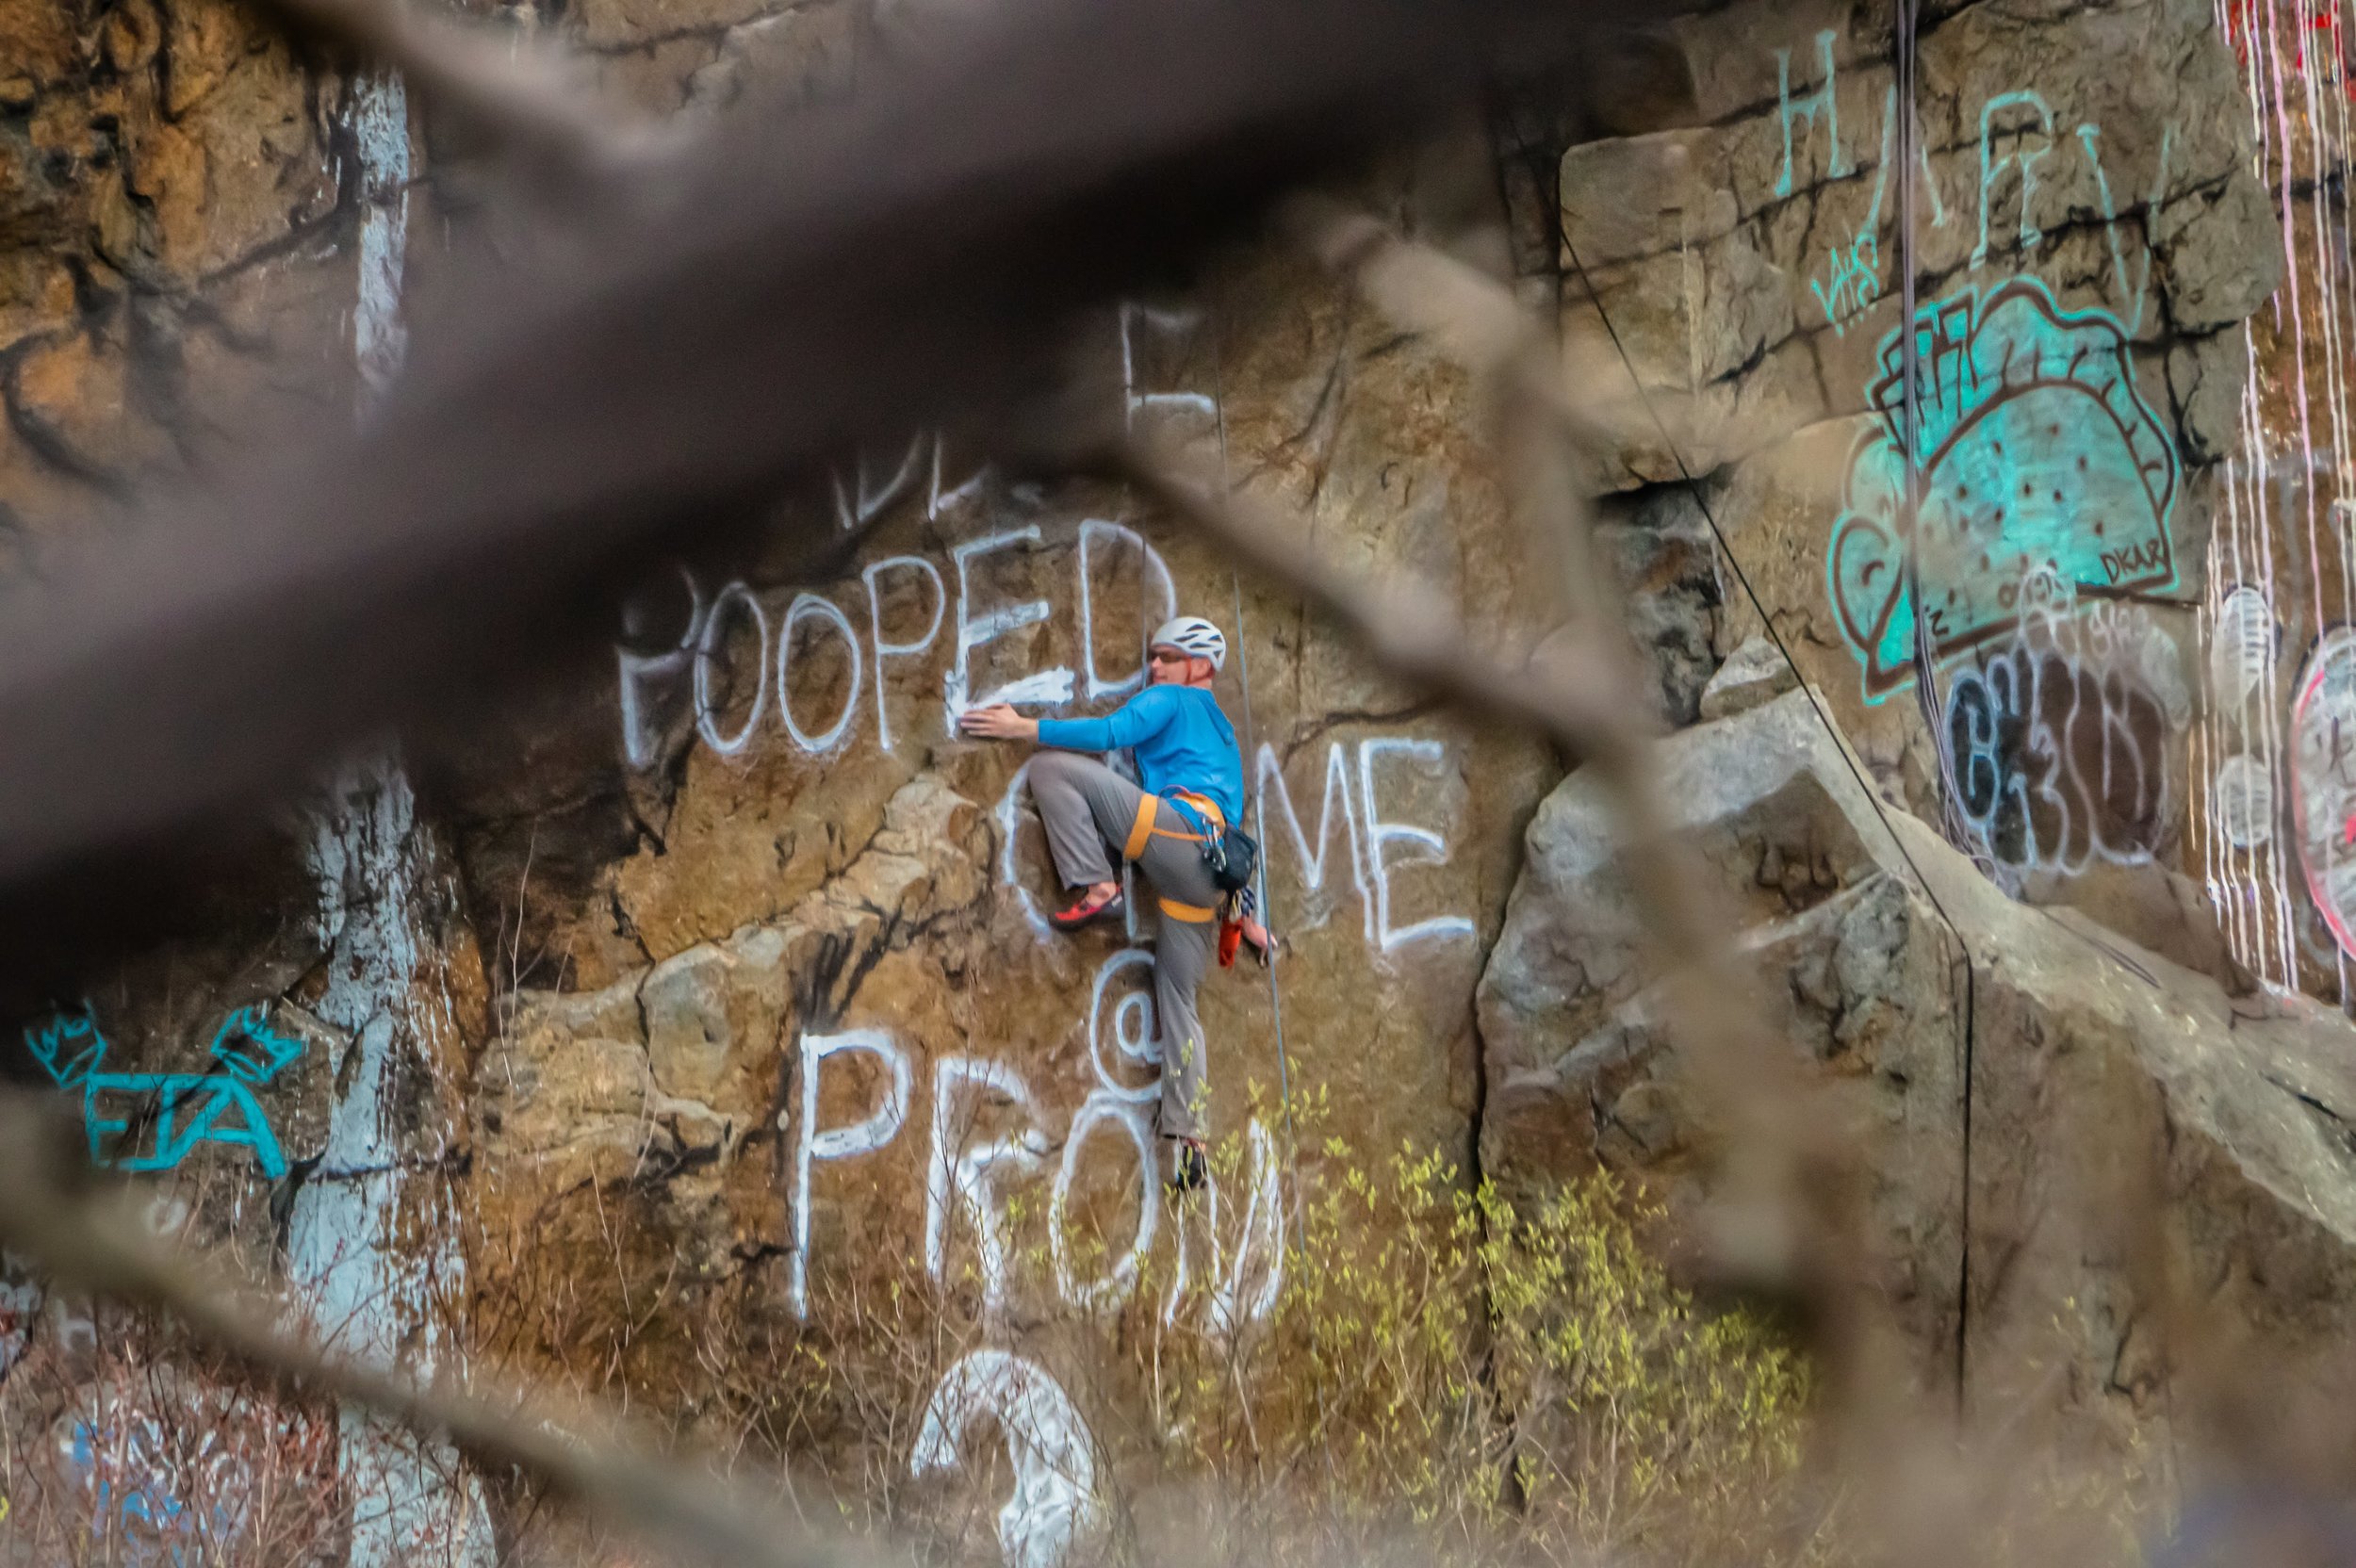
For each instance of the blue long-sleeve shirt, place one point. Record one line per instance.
(1179, 737)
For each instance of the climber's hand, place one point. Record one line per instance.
(999, 722)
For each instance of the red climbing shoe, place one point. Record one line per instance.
(1094, 905)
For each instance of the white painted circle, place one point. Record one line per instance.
(2242, 800)
(709, 650)
(2241, 644)
(1131, 1029)
(825, 609)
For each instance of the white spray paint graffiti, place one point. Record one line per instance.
(1367, 835)
(840, 1143)
(650, 680)
(1053, 685)
(2323, 780)
(804, 607)
(1119, 1280)
(1132, 1036)
(1055, 1507)
(2241, 646)
(1092, 529)
(638, 671)
(863, 499)
(1226, 1308)
(1174, 323)
(966, 1177)
(709, 655)
(897, 650)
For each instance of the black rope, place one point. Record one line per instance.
(1873, 796)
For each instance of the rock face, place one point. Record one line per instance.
(697, 1035)
(2088, 240)
(809, 1030)
(181, 200)
(2091, 1062)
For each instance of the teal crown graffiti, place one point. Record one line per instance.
(2037, 454)
(145, 1122)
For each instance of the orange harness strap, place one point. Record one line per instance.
(1142, 830)
(1193, 914)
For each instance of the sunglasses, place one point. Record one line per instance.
(1166, 655)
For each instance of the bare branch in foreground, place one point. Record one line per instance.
(80, 1234)
(1795, 1230)
(1409, 634)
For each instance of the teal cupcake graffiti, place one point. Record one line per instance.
(2037, 456)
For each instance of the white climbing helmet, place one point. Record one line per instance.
(1193, 635)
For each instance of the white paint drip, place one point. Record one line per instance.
(370, 1294)
(1055, 1507)
(380, 124)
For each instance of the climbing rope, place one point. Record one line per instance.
(1259, 804)
(1903, 144)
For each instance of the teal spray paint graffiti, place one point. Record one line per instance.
(2038, 455)
(147, 1121)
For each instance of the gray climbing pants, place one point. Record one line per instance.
(1089, 811)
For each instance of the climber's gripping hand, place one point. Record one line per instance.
(998, 722)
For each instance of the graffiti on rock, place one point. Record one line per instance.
(2038, 457)
(1056, 1507)
(1365, 834)
(2018, 131)
(2058, 738)
(1805, 109)
(174, 1471)
(1851, 283)
(741, 666)
(147, 1121)
(2241, 646)
(2244, 793)
(2323, 780)
(988, 1139)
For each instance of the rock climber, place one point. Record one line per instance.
(1191, 778)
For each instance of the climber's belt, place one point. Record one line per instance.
(1143, 831)
(1193, 914)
